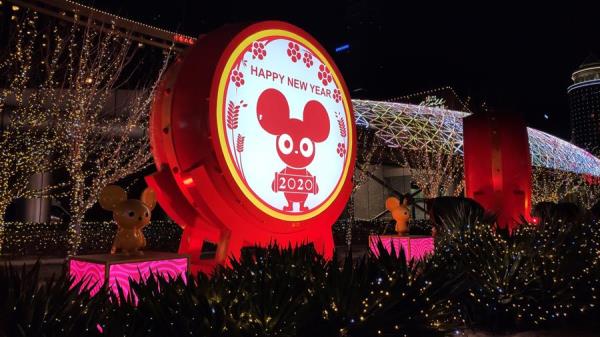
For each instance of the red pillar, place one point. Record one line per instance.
(498, 165)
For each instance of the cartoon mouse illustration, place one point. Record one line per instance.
(399, 213)
(295, 143)
(131, 217)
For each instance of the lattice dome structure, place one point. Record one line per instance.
(423, 128)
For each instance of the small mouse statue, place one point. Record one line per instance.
(130, 215)
(400, 213)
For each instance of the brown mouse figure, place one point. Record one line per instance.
(130, 215)
(399, 213)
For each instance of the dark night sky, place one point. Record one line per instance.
(512, 57)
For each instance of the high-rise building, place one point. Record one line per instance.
(584, 101)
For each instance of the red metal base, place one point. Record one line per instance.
(198, 228)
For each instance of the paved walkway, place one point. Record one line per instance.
(49, 265)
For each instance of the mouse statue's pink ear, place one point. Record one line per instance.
(111, 196)
(316, 121)
(273, 112)
(149, 198)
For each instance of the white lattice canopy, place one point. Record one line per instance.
(425, 128)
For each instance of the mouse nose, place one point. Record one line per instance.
(140, 218)
(296, 151)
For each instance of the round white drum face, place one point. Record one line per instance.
(284, 125)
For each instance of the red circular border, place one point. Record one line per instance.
(339, 181)
(329, 215)
(189, 96)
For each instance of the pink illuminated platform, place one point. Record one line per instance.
(414, 246)
(96, 270)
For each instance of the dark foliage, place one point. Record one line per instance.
(54, 307)
(361, 229)
(480, 277)
(380, 295)
(543, 276)
(564, 211)
(595, 211)
(166, 307)
(459, 209)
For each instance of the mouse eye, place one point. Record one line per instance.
(306, 147)
(285, 143)
(131, 214)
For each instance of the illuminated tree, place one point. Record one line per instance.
(368, 156)
(438, 170)
(75, 127)
(28, 139)
(436, 173)
(558, 186)
(101, 146)
(426, 139)
(553, 185)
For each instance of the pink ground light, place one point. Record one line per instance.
(415, 247)
(93, 274)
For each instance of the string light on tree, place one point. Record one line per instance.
(28, 137)
(81, 69)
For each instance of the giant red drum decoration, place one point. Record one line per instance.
(253, 136)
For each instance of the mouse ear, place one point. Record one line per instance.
(317, 121)
(111, 196)
(273, 112)
(405, 201)
(149, 198)
(392, 203)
